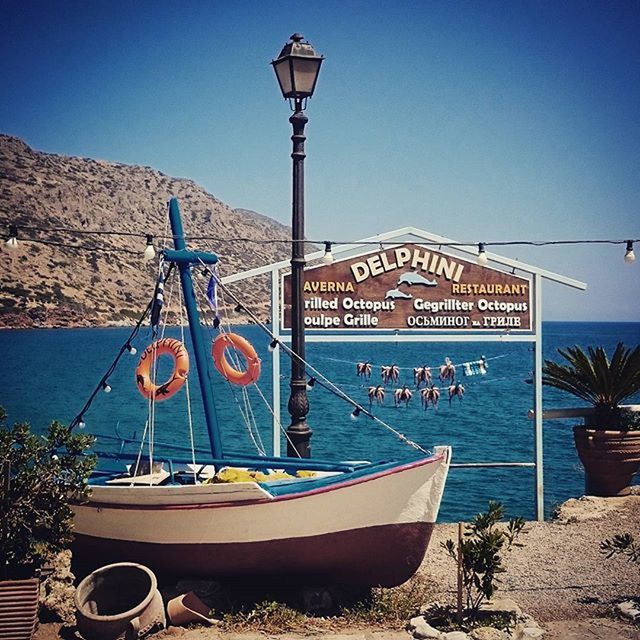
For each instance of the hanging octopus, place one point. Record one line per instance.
(456, 390)
(376, 394)
(447, 371)
(422, 374)
(390, 373)
(402, 395)
(363, 370)
(430, 395)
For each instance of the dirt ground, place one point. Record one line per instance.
(559, 577)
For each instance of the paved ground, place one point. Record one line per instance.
(600, 628)
(591, 629)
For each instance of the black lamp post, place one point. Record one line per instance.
(297, 69)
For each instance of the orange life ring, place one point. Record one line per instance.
(180, 356)
(240, 344)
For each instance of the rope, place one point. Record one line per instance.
(246, 412)
(188, 397)
(112, 367)
(139, 457)
(435, 366)
(324, 381)
(282, 429)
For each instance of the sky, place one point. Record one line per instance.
(480, 121)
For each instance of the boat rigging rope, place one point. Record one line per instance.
(280, 426)
(246, 412)
(321, 379)
(100, 386)
(188, 397)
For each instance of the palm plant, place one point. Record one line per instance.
(594, 378)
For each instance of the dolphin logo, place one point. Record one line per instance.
(394, 294)
(412, 277)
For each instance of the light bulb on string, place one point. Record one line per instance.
(629, 256)
(272, 345)
(355, 414)
(12, 241)
(149, 252)
(482, 255)
(327, 258)
(131, 349)
(106, 387)
(311, 383)
(81, 423)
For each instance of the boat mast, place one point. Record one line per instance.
(183, 259)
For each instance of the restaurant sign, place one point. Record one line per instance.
(411, 287)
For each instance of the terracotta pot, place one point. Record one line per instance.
(119, 601)
(18, 608)
(610, 459)
(187, 608)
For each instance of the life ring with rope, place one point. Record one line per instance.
(164, 346)
(244, 347)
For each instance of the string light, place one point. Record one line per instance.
(272, 345)
(629, 256)
(311, 384)
(12, 242)
(355, 414)
(106, 387)
(381, 244)
(238, 308)
(327, 258)
(482, 255)
(149, 252)
(131, 349)
(81, 423)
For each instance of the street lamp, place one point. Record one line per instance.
(297, 69)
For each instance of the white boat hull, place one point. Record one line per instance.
(372, 529)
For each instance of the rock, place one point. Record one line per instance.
(420, 628)
(531, 632)
(501, 605)
(589, 508)
(455, 635)
(629, 609)
(527, 621)
(488, 633)
(57, 591)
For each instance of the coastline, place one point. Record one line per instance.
(237, 321)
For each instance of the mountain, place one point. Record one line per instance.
(75, 279)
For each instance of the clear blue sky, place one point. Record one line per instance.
(480, 121)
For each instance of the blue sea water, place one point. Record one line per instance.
(49, 373)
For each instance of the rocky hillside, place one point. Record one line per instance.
(70, 279)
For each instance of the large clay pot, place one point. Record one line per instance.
(119, 601)
(18, 608)
(610, 459)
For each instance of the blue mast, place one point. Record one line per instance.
(184, 259)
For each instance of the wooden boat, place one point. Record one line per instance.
(357, 523)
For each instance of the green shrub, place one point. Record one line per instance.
(481, 546)
(622, 544)
(40, 477)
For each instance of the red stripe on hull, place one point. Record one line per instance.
(385, 555)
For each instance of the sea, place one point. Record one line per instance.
(49, 374)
